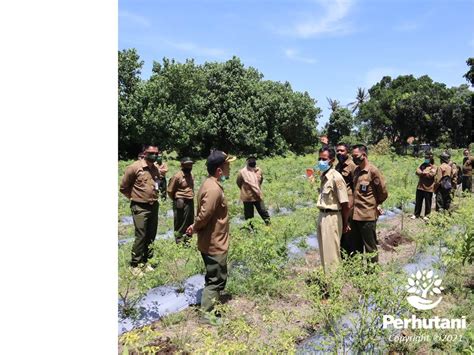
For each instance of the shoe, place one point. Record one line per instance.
(136, 271)
(413, 217)
(426, 219)
(149, 268)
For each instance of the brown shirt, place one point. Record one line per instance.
(247, 194)
(346, 169)
(443, 170)
(333, 191)
(467, 166)
(140, 183)
(369, 192)
(181, 186)
(163, 169)
(212, 218)
(426, 182)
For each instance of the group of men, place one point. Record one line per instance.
(350, 196)
(145, 179)
(442, 180)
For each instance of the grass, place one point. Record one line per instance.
(273, 308)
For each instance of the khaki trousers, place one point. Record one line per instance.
(329, 238)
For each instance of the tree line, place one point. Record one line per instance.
(191, 108)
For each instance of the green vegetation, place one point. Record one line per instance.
(278, 302)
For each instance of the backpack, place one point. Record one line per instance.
(445, 183)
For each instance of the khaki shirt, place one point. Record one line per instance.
(247, 194)
(140, 183)
(467, 166)
(333, 191)
(181, 186)
(212, 218)
(443, 170)
(346, 169)
(369, 192)
(426, 182)
(163, 169)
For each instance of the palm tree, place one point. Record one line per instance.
(361, 97)
(333, 104)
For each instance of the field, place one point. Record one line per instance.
(274, 302)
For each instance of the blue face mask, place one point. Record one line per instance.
(223, 178)
(427, 161)
(323, 165)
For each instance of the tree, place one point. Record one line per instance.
(470, 74)
(129, 102)
(340, 124)
(333, 104)
(361, 98)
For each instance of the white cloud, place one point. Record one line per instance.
(331, 22)
(135, 19)
(196, 49)
(407, 26)
(293, 54)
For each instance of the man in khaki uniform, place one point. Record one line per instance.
(140, 185)
(369, 193)
(331, 201)
(249, 181)
(212, 227)
(424, 191)
(467, 162)
(163, 169)
(346, 168)
(443, 183)
(181, 191)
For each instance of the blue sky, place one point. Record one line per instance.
(326, 47)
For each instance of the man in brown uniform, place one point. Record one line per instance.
(140, 185)
(331, 201)
(346, 168)
(424, 191)
(249, 181)
(467, 162)
(181, 191)
(369, 193)
(443, 183)
(212, 226)
(163, 169)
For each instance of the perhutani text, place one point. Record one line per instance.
(423, 323)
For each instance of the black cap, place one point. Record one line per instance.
(218, 157)
(445, 156)
(252, 157)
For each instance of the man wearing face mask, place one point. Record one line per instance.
(424, 191)
(140, 185)
(443, 183)
(332, 201)
(249, 181)
(369, 193)
(467, 171)
(181, 191)
(212, 227)
(346, 168)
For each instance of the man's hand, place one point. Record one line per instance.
(190, 230)
(346, 228)
(380, 211)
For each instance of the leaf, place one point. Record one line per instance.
(436, 290)
(429, 274)
(412, 289)
(418, 275)
(438, 282)
(411, 282)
